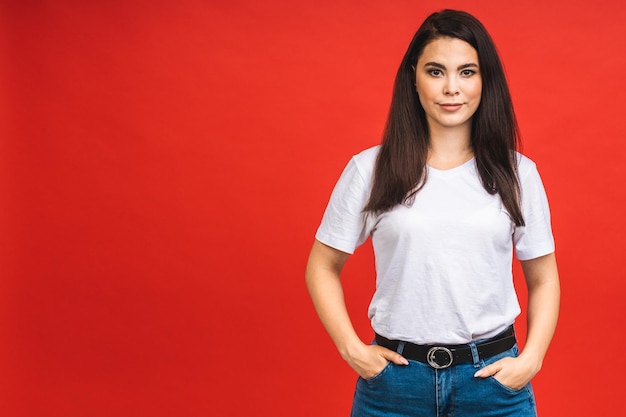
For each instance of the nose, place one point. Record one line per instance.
(451, 86)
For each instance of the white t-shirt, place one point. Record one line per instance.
(443, 264)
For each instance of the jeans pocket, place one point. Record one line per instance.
(511, 353)
(379, 375)
(504, 387)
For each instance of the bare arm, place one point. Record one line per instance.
(323, 282)
(542, 279)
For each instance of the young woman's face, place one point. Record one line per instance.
(448, 83)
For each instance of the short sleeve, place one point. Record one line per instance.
(535, 239)
(343, 224)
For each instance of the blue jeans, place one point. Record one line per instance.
(418, 390)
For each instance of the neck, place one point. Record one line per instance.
(449, 148)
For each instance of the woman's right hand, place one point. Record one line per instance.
(369, 360)
(324, 285)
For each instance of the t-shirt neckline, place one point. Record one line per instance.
(453, 170)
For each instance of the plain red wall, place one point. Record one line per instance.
(164, 166)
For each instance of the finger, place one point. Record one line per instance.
(488, 371)
(394, 357)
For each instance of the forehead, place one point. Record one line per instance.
(451, 50)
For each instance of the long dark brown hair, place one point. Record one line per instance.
(400, 170)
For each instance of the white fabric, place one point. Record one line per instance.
(444, 264)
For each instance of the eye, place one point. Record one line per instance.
(467, 72)
(435, 72)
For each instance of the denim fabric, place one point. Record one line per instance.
(417, 390)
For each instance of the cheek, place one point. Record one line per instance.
(424, 91)
(477, 90)
(477, 97)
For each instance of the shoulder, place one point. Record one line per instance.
(365, 161)
(525, 166)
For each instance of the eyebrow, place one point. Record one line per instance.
(443, 67)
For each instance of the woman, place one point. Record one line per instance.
(446, 200)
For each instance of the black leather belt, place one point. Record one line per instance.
(443, 356)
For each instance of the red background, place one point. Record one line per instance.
(164, 166)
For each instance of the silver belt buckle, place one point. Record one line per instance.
(431, 358)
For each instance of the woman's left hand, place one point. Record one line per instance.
(514, 373)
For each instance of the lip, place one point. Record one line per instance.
(451, 106)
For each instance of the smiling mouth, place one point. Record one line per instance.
(451, 106)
